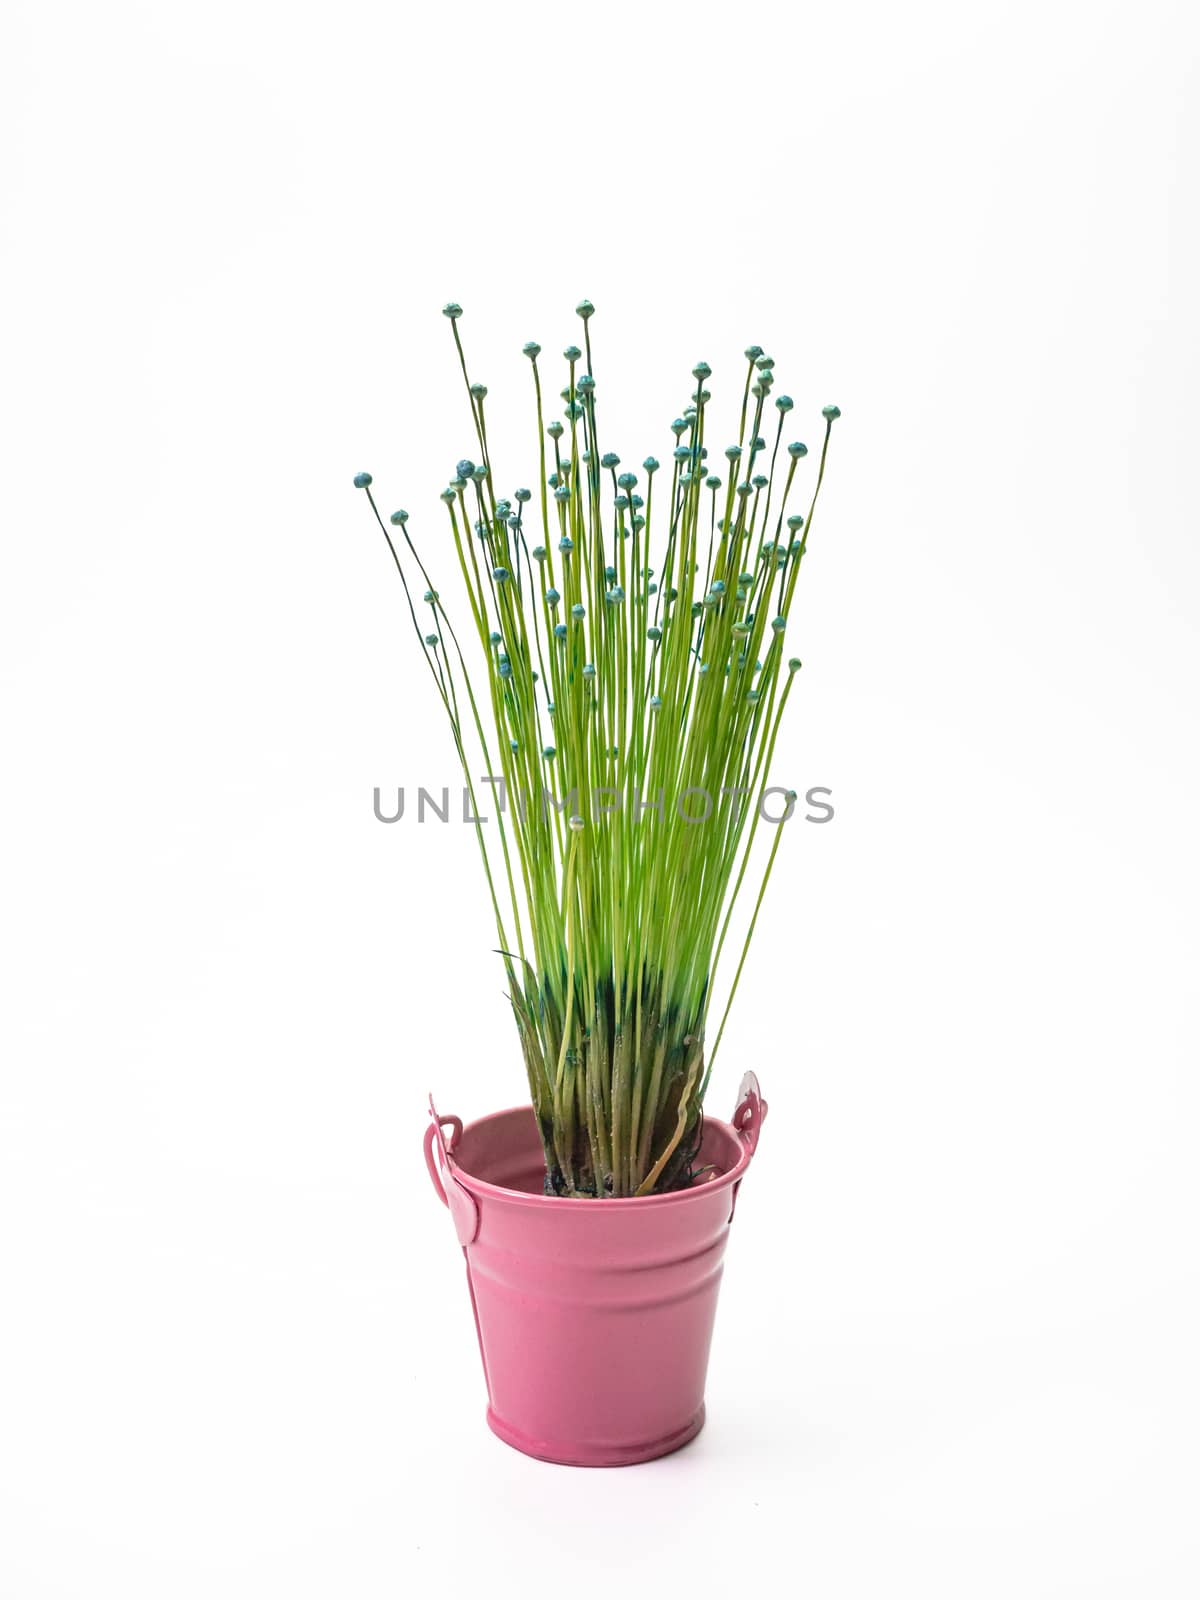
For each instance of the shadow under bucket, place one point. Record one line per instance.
(594, 1316)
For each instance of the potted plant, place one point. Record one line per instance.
(627, 679)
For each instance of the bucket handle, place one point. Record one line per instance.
(748, 1118)
(450, 1192)
(434, 1132)
(446, 1148)
(750, 1113)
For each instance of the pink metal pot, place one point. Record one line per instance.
(594, 1316)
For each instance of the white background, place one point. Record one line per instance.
(956, 1354)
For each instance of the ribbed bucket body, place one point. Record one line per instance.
(594, 1316)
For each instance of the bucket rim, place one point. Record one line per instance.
(482, 1188)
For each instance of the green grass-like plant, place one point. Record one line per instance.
(633, 709)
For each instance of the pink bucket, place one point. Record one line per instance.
(594, 1316)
